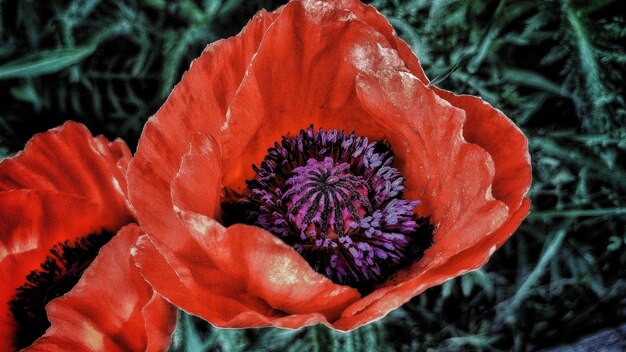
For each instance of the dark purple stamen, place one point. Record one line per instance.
(337, 200)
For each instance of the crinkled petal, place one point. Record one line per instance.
(37, 220)
(303, 73)
(198, 103)
(69, 159)
(197, 186)
(378, 22)
(484, 125)
(505, 142)
(33, 221)
(386, 299)
(64, 185)
(244, 277)
(111, 308)
(451, 177)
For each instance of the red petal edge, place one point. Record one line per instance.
(69, 159)
(208, 86)
(244, 277)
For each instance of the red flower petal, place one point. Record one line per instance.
(208, 86)
(199, 194)
(485, 126)
(243, 277)
(389, 298)
(111, 308)
(507, 145)
(449, 176)
(376, 20)
(65, 185)
(37, 220)
(303, 73)
(68, 159)
(32, 223)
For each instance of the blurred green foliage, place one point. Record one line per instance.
(557, 68)
(108, 64)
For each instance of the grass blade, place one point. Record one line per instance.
(44, 62)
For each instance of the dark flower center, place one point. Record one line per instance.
(58, 274)
(323, 197)
(337, 200)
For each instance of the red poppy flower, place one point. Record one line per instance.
(61, 200)
(330, 226)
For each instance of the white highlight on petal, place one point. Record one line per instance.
(281, 271)
(360, 57)
(316, 10)
(200, 224)
(92, 337)
(379, 59)
(23, 245)
(390, 57)
(134, 251)
(117, 186)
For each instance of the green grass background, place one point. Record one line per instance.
(556, 68)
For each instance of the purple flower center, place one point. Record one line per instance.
(324, 198)
(337, 200)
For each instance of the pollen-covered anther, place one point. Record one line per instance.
(337, 199)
